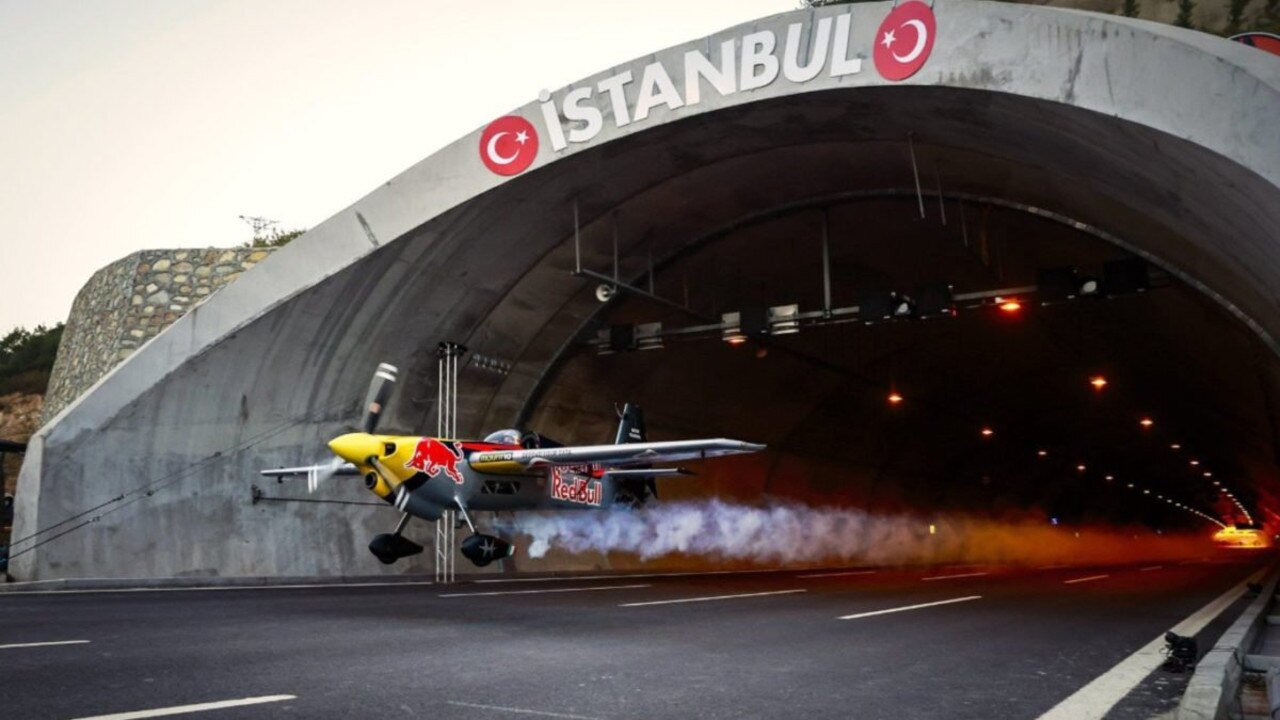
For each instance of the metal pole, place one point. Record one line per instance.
(826, 265)
(577, 240)
(937, 172)
(915, 172)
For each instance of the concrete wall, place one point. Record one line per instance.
(1055, 109)
(130, 301)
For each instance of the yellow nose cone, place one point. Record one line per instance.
(356, 447)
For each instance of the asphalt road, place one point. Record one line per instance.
(988, 643)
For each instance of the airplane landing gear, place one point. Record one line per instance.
(390, 547)
(483, 549)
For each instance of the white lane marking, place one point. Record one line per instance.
(625, 576)
(1149, 569)
(199, 707)
(709, 598)
(855, 616)
(220, 588)
(500, 708)
(1084, 579)
(1098, 697)
(43, 644)
(837, 574)
(543, 591)
(953, 577)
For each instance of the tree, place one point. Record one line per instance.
(26, 358)
(1235, 16)
(1185, 10)
(1131, 8)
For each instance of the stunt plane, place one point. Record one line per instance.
(508, 470)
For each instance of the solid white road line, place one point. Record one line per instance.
(199, 707)
(855, 616)
(710, 597)
(542, 592)
(523, 711)
(43, 644)
(952, 577)
(219, 588)
(1098, 697)
(837, 574)
(1084, 579)
(1149, 569)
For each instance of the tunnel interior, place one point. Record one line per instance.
(916, 188)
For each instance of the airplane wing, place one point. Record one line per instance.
(308, 470)
(612, 455)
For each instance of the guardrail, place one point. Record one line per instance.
(1215, 685)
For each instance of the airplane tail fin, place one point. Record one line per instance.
(631, 425)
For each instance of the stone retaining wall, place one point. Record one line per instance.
(130, 301)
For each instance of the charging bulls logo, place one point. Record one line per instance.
(434, 456)
(904, 40)
(509, 145)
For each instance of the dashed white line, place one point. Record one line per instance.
(709, 598)
(199, 707)
(837, 574)
(500, 708)
(905, 608)
(543, 591)
(953, 577)
(43, 644)
(1084, 579)
(1149, 569)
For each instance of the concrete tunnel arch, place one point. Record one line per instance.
(1047, 108)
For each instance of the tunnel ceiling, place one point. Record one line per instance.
(1039, 186)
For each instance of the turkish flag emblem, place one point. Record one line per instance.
(509, 145)
(904, 40)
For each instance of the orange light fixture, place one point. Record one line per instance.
(1081, 467)
(988, 432)
(1098, 382)
(1042, 453)
(1175, 446)
(894, 398)
(1146, 423)
(1195, 463)
(1009, 305)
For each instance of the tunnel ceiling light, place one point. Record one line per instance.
(1009, 306)
(649, 336)
(1098, 382)
(1042, 453)
(1081, 467)
(1146, 423)
(731, 328)
(1175, 446)
(784, 319)
(894, 398)
(1208, 474)
(987, 432)
(1109, 478)
(1194, 463)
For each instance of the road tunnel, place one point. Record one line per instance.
(1029, 141)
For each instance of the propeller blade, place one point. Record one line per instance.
(384, 381)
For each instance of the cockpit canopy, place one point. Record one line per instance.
(510, 436)
(514, 436)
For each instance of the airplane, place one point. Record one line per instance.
(509, 470)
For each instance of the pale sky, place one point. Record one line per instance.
(132, 124)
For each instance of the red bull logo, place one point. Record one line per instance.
(434, 456)
(575, 489)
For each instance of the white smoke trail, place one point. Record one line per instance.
(793, 533)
